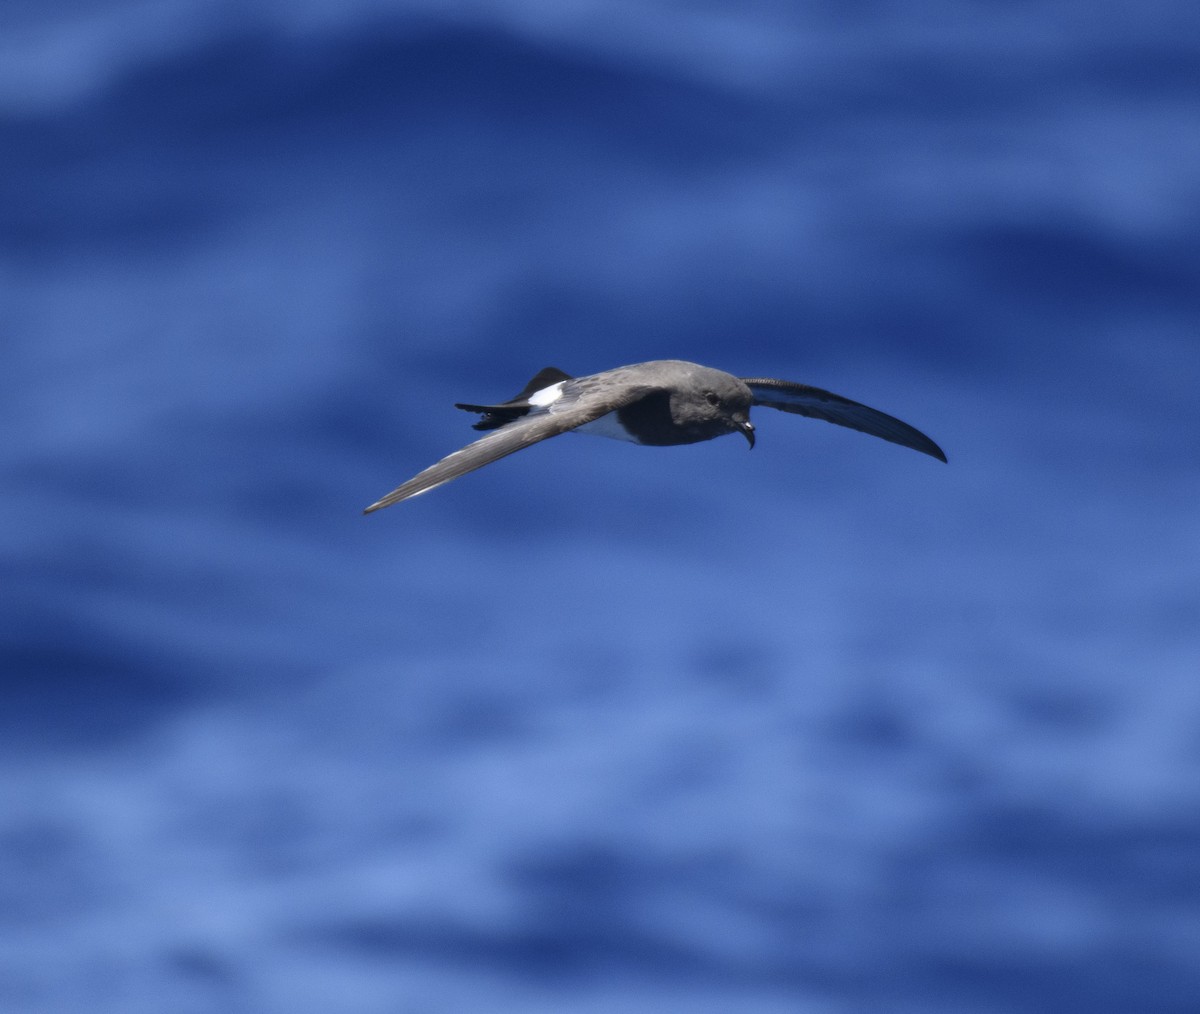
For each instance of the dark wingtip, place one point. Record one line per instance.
(378, 505)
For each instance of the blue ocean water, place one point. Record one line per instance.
(825, 727)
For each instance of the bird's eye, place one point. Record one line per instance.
(711, 398)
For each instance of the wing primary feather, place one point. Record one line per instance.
(493, 447)
(573, 411)
(815, 403)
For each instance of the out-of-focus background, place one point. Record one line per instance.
(828, 726)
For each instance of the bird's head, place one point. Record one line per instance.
(718, 406)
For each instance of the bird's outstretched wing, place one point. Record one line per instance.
(801, 399)
(578, 406)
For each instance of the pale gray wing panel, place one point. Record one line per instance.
(513, 437)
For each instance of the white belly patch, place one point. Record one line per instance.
(606, 426)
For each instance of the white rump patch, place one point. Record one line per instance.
(547, 396)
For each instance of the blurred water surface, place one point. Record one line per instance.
(825, 727)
